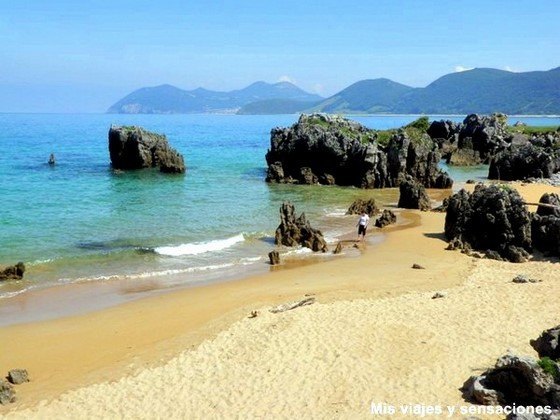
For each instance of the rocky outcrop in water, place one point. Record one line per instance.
(491, 218)
(14, 272)
(294, 231)
(413, 195)
(386, 218)
(545, 226)
(523, 162)
(136, 148)
(361, 206)
(474, 141)
(330, 150)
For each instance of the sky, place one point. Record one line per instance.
(82, 56)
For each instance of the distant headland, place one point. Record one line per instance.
(480, 90)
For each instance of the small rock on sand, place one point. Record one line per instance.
(292, 305)
(18, 376)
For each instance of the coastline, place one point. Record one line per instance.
(133, 337)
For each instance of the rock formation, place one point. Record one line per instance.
(413, 195)
(294, 231)
(18, 376)
(361, 206)
(386, 218)
(330, 150)
(52, 160)
(14, 272)
(136, 148)
(545, 226)
(548, 343)
(517, 163)
(7, 392)
(491, 218)
(274, 257)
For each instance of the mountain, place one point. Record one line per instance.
(480, 90)
(276, 106)
(167, 99)
(369, 96)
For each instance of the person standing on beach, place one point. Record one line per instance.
(363, 223)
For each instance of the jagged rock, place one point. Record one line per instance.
(329, 149)
(484, 134)
(274, 257)
(293, 232)
(443, 129)
(136, 148)
(361, 206)
(438, 295)
(52, 160)
(491, 218)
(14, 272)
(492, 255)
(18, 376)
(386, 218)
(522, 278)
(523, 162)
(545, 226)
(7, 392)
(413, 195)
(548, 343)
(513, 380)
(338, 248)
(464, 157)
(418, 267)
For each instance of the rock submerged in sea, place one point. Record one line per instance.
(329, 150)
(413, 195)
(361, 206)
(136, 148)
(14, 272)
(294, 231)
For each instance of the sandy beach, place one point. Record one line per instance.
(374, 335)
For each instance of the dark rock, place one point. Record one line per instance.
(491, 218)
(418, 267)
(545, 226)
(493, 255)
(14, 272)
(18, 376)
(361, 206)
(552, 200)
(294, 231)
(513, 380)
(413, 195)
(522, 278)
(136, 148)
(484, 134)
(332, 150)
(464, 157)
(7, 393)
(524, 162)
(52, 160)
(443, 207)
(338, 248)
(274, 257)
(548, 343)
(386, 218)
(471, 181)
(443, 129)
(438, 295)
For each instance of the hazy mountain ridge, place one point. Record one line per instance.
(481, 90)
(167, 99)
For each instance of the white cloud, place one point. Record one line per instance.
(508, 68)
(287, 79)
(459, 69)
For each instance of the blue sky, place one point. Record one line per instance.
(81, 56)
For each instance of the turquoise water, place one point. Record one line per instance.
(82, 221)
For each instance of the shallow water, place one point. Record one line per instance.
(82, 221)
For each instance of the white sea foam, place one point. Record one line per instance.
(199, 247)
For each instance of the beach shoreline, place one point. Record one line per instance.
(147, 333)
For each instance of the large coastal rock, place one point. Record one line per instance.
(545, 226)
(514, 380)
(330, 150)
(528, 161)
(13, 272)
(413, 195)
(136, 148)
(476, 140)
(386, 218)
(492, 218)
(294, 231)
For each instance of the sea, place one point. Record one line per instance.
(81, 221)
